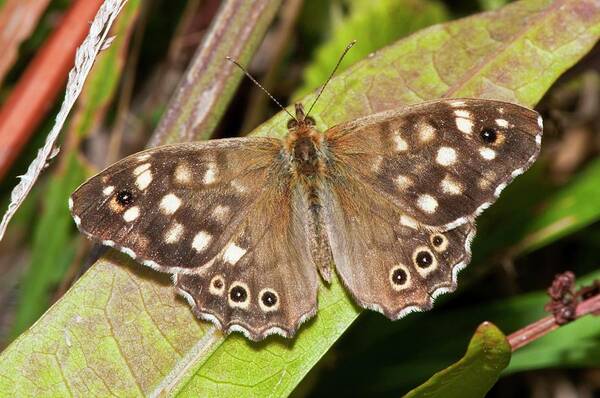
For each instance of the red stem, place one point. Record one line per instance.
(44, 77)
(545, 325)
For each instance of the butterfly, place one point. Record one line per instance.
(248, 226)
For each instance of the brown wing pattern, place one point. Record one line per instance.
(184, 200)
(388, 266)
(441, 162)
(263, 282)
(223, 217)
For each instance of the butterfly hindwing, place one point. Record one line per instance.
(222, 210)
(441, 162)
(264, 282)
(388, 266)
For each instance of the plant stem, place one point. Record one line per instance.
(545, 325)
(210, 81)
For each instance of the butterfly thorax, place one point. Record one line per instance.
(304, 144)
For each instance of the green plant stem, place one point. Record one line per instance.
(210, 81)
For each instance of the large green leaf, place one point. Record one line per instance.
(121, 329)
(566, 211)
(476, 372)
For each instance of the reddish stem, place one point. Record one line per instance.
(44, 77)
(545, 325)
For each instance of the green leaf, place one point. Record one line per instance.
(568, 210)
(52, 249)
(532, 214)
(374, 24)
(146, 341)
(476, 372)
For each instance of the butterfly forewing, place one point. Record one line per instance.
(175, 207)
(440, 162)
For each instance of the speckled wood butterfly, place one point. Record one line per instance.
(245, 225)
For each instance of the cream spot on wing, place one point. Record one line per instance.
(169, 204)
(221, 213)
(403, 182)
(501, 110)
(463, 113)
(486, 180)
(464, 125)
(377, 164)
(540, 122)
(217, 285)
(108, 190)
(426, 132)
(201, 241)
(233, 253)
(143, 157)
(131, 214)
(457, 103)
(183, 174)
(77, 220)
(450, 186)
(408, 221)
(141, 168)
(439, 242)
(502, 122)
(446, 156)
(427, 203)
(109, 243)
(401, 145)
(538, 139)
(70, 203)
(487, 153)
(174, 233)
(210, 176)
(238, 186)
(143, 180)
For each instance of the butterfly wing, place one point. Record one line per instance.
(404, 188)
(385, 265)
(206, 212)
(441, 162)
(272, 287)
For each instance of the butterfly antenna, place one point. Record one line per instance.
(348, 47)
(259, 85)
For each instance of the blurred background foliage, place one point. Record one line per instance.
(42, 254)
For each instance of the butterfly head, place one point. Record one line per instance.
(301, 121)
